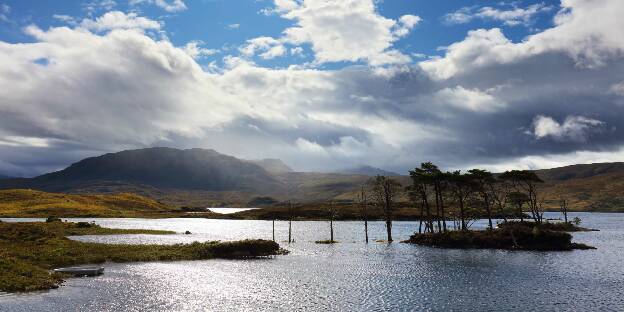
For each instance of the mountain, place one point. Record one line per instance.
(161, 168)
(3, 177)
(272, 165)
(206, 178)
(368, 171)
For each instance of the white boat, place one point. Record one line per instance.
(81, 271)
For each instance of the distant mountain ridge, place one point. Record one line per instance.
(202, 177)
(194, 169)
(4, 177)
(369, 171)
(272, 165)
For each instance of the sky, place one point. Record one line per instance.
(321, 84)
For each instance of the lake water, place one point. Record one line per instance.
(349, 276)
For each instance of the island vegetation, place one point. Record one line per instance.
(29, 250)
(462, 197)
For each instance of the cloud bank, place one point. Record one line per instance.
(105, 85)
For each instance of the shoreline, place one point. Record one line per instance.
(30, 250)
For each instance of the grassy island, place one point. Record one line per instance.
(326, 242)
(510, 236)
(28, 251)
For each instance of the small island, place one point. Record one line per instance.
(511, 235)
(30, 250)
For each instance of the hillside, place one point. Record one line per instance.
(206, 178)
(369, 171)
(272, 165)
(588, 187)
(161, 168)
(29, 203)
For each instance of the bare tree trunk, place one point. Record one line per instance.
(331, 229)
(366, 230)
(488, 209)
(389, 230)
(442, 211)
(422, 212)
(462, 216)
(289, 222)
(436, 190)
(289, 231)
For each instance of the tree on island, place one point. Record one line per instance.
(461, 188)
(527, 182)
(563, 206)
(499, 191)
(384, 192)
(418, 193)
(426, 179)
(517, 200)
(483, 181)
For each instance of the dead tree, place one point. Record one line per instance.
(331, 211)
(384, 192)
(563, 205)
(290, 217)
(362, 201)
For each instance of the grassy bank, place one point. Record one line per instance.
(29, 250)
(511, 236)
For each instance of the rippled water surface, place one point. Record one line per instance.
(349, 276)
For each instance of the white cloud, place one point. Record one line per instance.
(233, 26)
(256, 44)
(510, 17)
(296, 51)
(345, 30)
(24, 141)
(97, 5)
(533, 162)
(583, 30)
(273, 52)
(309, 147)
(86, 92)
(119, 20)
(194, 50)
(169, 6)
(406, 24)
(65, 18)
(466, 99)
(574, 128)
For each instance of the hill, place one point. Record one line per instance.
(29, 203)
(588, 187)
(160, 168)
(3, 177)
(272, 165)
(206, 178)
(369, 171)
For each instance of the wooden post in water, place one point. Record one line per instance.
(289, 222)
(273, 229)
(331, 221)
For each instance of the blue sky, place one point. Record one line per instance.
(321, 84)
(225, 25)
